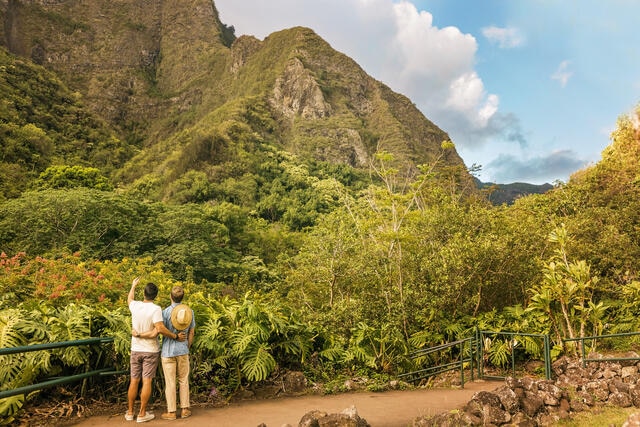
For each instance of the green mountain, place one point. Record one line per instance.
(171, 106)
(499, 194)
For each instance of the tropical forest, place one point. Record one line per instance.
(317, 220)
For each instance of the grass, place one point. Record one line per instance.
(603, 416)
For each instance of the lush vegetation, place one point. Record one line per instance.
(295, 254)
(43, 123)
(402, 263)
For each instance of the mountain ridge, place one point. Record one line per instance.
(174, 83)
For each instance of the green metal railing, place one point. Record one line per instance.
(597, 337)
(475, 352)
(61, 380)
(473, 356)
(444, 367)
(546, 348)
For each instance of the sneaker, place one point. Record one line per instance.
(129, 417)
(148, 417)
(168, 416)
(185, 413)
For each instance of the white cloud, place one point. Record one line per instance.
(435, 68)
(467, 95)
(562, 74)
(506, 38)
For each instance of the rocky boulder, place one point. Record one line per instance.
(537, 402)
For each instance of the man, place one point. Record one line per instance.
(145, 351)
(177, 318)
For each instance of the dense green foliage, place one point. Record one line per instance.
(406, 262)
(336, 237)
(43, 123)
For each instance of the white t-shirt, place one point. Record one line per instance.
(144, 316)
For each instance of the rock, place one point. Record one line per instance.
(617, 385)
(531, 404)
(349, 385)
(294, 382)
(494, 415)
(342, 420)
(628, 371)
(508, 399)
(550, 393)
(347, 418)
(599, 389)
(296, 92)
(622, 400)
(310, 419)
(479, 403)
(351, 412)
(634, 392)
(522, 420)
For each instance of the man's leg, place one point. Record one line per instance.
(149, 367)
(135, 363)
(132, 394)
(145, 394)
(183, 380)
(169, 370)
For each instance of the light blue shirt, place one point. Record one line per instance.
(171, 347)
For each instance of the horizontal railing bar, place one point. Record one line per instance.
(33, 387)
(432, 368)
(621, 334)
(102, 374)
(437, 348)
(513, 334)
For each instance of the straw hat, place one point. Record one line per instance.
(181, 317)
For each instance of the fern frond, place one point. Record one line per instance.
(531, 345)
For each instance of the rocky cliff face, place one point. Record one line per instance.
(132, 60)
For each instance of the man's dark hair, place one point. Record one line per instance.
(177, 293)
(150, 291)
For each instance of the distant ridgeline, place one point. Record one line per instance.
(499, 194)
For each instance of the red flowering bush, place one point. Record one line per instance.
(68, 278)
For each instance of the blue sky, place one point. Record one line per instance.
(530, 90)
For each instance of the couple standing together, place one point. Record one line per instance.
(177, 326)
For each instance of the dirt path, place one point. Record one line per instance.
(388, 409)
